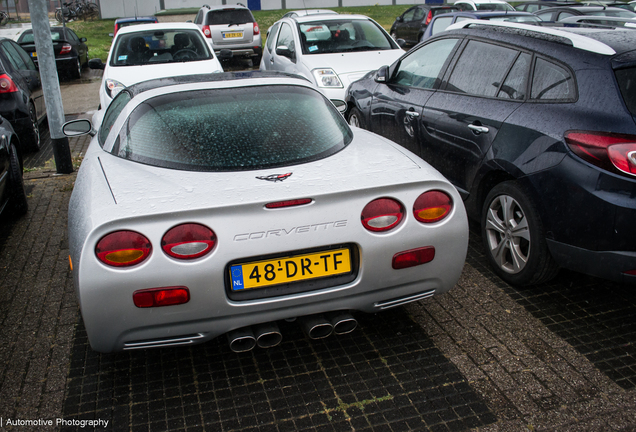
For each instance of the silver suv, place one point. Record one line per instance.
(231, 27)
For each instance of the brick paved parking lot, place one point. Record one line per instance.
(485, 356)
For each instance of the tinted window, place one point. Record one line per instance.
(408, 15)
(229, 16)
(233, 129)
(271, 37)
(516, 82)
(12, 54)
(545, 16)
(25, 58)
(627, 82)
(344, 35)
(422, 67)
(481, 68)
(111, 115)
(419, 14)
(552, 82)
(161, 46)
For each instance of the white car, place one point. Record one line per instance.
(148, 51)
(483, 5)
(225, 203)
(330, 50)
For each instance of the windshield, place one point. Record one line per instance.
(27, 37)
(159, 46)
(344, 35)
(233, 129)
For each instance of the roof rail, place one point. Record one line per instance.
(578, 41)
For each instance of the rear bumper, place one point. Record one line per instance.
(610, 265)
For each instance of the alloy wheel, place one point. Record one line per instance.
(508, 234)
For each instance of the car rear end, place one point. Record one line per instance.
(233, 28)
(165, 256)
(65, 54)
(593, 209)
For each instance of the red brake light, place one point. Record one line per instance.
(188, 241)
(206, 31)
(116, 28)
(256, 29)
(612, 152)
(7, 85)
(288, 203)
(382, 214)
(429, 17)
(156, 297)
(432, 206)
(123, 248)
(66, 48)
(413, 257)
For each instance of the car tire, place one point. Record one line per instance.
(18, 198)
(76, 72)
(33, 140)
(355, 118)
(513, 237)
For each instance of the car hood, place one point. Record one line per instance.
(368, 162)
(129, 75)
(353, 63)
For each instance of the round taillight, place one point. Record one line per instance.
(123, 248)
(188, 241)
(382, 214)
(432, 206)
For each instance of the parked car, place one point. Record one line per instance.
(21, 95)
(329, 50)
(71, 51)
(483, 5)
(628, 23)
(191, 237)
(412, 24)
(539, 143)
(231, 27)
(558, 13)
(304, 12)
(125, 22)
(12, 194)
(148, 51)
(440, 23)
(533, 6)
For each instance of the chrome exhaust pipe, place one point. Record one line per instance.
(342, 322)
(241, 339)
(267, 335)
(315, 326)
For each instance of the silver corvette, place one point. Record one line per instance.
(221, 204)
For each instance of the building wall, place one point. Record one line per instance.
(125, 8)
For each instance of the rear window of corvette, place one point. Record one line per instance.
(233, 129)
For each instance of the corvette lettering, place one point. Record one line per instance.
(283, 232)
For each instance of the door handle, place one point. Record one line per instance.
(478, 129)
(412, 114)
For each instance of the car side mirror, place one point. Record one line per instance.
(83, 39)
(401, 43)
(284, 51)
(225, 54)
(382, 75)
(399, 19)
(96, 63)
(78, 127)
(111, 35)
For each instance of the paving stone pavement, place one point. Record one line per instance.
(485, 356)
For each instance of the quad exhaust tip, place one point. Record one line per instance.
(244, 339)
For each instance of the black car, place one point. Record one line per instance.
(71, 51)
(21, 96)
(535, 127)
(12, 194)
(560, 12)
(411, 25)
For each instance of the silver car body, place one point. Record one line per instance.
(113, 194)
(348, 66)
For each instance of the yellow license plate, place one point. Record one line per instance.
(276, 271)
(232, 35)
